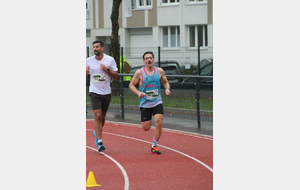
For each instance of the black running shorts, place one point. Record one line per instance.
(100, 101)
(146, 113)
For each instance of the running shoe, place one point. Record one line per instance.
(155, 150)
(100, 145)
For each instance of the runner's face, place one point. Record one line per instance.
(97, 49)
(148, 60)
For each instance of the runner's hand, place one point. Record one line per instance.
(103, 67)
(141, 94)
(168, 92)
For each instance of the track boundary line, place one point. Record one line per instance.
(126, 179)
(186, 155)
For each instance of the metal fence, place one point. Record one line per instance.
(185, 56)
(191, 101)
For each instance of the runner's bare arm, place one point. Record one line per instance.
(135, 80)
(112, 74)
(165, 81)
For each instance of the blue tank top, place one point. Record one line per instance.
(151, 87)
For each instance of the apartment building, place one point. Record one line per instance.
(174, 27)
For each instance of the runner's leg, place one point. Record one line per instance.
(158, 126)
(146, 125)
(98, 123)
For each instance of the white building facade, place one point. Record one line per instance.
(172, 29)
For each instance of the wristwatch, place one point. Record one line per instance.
(107, 70)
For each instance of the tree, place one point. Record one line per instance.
(115, 39)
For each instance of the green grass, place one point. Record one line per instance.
(168, 102)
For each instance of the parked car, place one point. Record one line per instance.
(206, 70)
(170, 63)
(203, 62)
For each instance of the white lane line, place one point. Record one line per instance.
(186, 133)
(126, 187)
(203, 164)
(200, 136)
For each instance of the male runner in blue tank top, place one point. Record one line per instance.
(149, 78)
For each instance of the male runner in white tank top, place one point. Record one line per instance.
(102, 68)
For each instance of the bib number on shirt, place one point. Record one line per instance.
(99, 78)
(152, 94)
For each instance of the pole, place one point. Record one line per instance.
(158, 56)
(122, 88)
(198, 92)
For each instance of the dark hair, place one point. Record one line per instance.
(148, 52)
(101, 43)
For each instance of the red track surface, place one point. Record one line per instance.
(186, 161)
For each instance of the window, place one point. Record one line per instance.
(198, 36)
(141, 4)
(171, 36)
(170, 1)
(196, 1)
(87, 8)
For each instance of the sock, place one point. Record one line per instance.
(99, 141)
(154, 143)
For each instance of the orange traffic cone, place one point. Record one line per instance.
(91, 182)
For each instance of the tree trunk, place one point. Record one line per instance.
(115, 42)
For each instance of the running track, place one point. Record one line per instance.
(186, 161)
